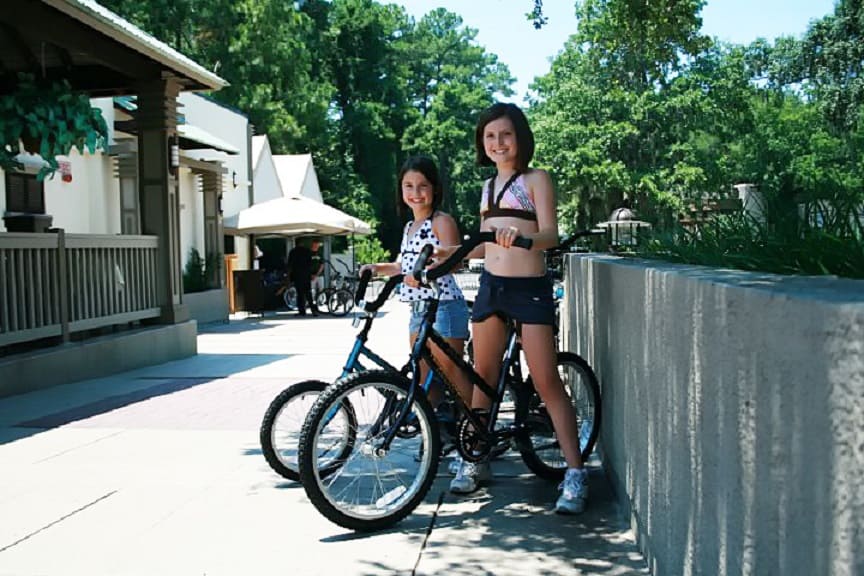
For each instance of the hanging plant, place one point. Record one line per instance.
(49, 120)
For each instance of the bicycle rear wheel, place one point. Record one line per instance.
(373, 488)
(280, 429)
(340, 302)
(538, 445)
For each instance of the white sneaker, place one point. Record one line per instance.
(574, 492)
(454, 465)
(470, 477)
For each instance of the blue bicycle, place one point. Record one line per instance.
(283, 420)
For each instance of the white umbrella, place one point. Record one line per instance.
(294, 215)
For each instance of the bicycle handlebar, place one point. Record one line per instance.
(365, 277)
(470, 242)
(388, 288)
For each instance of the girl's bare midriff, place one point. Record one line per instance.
(514, 261)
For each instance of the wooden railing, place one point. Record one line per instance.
(56, 284)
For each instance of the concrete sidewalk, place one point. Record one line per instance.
(159, 472)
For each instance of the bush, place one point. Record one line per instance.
(195, 273)
(782, 243)
(368, 250)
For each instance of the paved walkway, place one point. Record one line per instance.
(159, 472)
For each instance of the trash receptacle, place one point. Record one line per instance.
(249, 293)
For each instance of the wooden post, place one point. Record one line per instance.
(158, 164)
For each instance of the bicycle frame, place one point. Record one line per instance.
(421, 350)
(360, 350)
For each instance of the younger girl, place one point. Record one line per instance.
(519, 201)
(420, 192)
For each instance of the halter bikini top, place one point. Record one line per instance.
(513, 200)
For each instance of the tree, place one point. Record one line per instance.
(451, 79)
(832, 58)
(615, 116)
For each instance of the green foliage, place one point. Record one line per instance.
(50, 119)
(743, 242)
(831, 62)
(356, 83)
(368, 250)
(536, 15)
(640, 105)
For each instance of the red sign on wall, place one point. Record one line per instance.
(65, 170)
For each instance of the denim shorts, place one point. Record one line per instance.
(526, 300)
(451, 321)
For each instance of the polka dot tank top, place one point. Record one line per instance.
(409, 251)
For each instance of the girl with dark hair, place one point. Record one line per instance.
(519, 201)
(420, 192)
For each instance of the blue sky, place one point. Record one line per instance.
(503, 30)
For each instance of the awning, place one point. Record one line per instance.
(294, 216)
(195, 138)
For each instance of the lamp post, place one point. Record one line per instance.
(623, 228)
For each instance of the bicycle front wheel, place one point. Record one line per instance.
(538, 444)
(376, 485)
(280, 429)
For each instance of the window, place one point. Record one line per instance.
(24, 193)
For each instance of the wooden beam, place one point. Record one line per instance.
(40, 23)
(19, 45)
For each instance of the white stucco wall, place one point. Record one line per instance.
(90, 203)
(232, 127)
(733, 412)
(191, 216)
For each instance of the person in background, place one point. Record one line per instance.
(317, 268)
(300, 273)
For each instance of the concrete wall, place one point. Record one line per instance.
(733, 412)
(208, 306)
(97, 357)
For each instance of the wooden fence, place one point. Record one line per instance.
(56, 284)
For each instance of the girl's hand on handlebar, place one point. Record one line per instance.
(373, 269)
(505, 237)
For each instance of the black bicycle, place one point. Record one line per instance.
(394, 458)
(337, 298)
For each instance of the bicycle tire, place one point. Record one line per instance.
(340, 302)
(321, 299)
(283, 422)
(289, 296)
(537, 444)
(383, 489)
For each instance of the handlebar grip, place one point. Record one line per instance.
(519, 242)
(420, 263)
(522, 242)
(392, 282)
(361, 287)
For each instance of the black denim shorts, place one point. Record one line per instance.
(526, 300)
